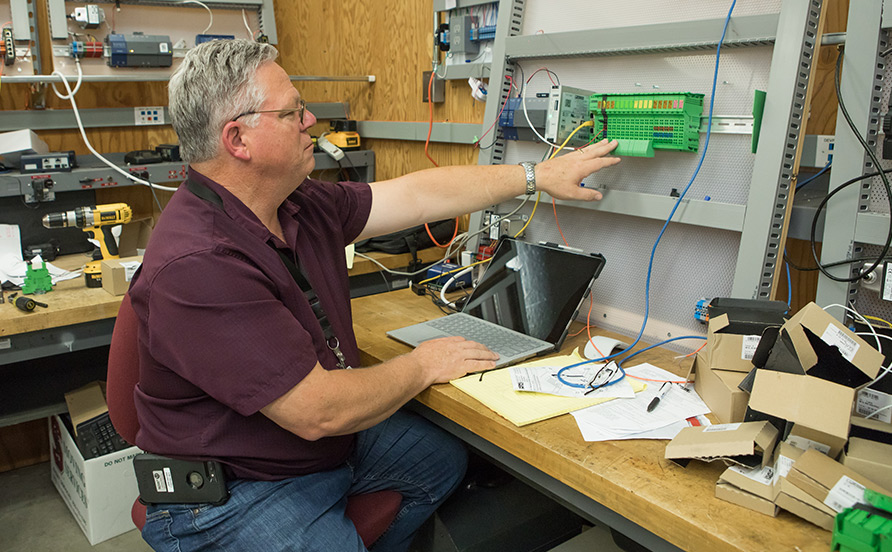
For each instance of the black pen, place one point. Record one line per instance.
(660, 395)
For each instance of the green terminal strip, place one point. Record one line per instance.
(645, 122)
(865, 528)
(37, 280)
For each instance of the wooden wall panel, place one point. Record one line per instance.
(391, 39)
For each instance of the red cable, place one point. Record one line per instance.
(554, 208)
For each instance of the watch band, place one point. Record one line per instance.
(529, 169)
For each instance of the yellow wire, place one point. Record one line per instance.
(877, 319)
(539, 195)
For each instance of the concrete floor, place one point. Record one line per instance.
(34, 518)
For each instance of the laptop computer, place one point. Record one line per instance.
(523, 304)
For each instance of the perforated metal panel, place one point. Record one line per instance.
(576, 15)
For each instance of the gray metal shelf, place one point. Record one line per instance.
(93, 175)
(847, 222)
(47, 119)
(757, 30)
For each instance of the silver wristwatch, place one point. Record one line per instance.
(529, 168)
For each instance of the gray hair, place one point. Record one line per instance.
(214, 84)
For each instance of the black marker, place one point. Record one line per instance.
(662, 394)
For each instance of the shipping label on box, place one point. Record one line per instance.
(117, 274)
(828, 481)
(99, 492)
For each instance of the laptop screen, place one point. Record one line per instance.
(533, 289)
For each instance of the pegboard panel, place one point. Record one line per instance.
(727, 169)
(576, 15)
(868, 301)
(689, 264)
(180, 23)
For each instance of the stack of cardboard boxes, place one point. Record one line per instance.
(800, 377)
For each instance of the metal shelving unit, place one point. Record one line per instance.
(795, 34)
(848, 222)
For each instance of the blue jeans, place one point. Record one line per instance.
(405, 453)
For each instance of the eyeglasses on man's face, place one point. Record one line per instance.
(299, 110)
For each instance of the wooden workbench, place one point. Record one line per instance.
(628, 478)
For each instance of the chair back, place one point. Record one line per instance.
(123, 372)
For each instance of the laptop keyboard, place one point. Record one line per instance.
(500, 340)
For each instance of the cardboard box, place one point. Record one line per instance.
(828, 481)
(758, 481)
(812, 408)
(795, 500)
(85, 403)
(730, 493)
(100, 491)
(117, 273)
(718, 389)
(134, 237)
(815, 333)
(750, 444)
(735, 328)
(871, 459)
(871, 429)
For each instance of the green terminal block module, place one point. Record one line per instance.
(866, 527)
(645, 122)
(37, 280)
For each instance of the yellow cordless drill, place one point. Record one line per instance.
(96, 221)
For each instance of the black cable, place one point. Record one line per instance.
(881, 174)
(796, 267)
(814, 224)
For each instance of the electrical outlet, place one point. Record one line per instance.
(149, 115)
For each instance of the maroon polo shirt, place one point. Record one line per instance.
(224, 329)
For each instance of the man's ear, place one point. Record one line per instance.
(233, 142)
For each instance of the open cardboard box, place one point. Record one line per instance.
(735, 328)
(134, 237)
(792, 498)
(806, 407)
(749, 444)
(845, 357)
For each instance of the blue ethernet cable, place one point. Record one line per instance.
(814, 176)
(678, 201)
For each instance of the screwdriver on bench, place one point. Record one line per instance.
(27, 304)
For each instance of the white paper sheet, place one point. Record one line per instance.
(625, 417)
(543, 379)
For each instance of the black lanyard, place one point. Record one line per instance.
(331, 339)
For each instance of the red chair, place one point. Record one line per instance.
(371, 513)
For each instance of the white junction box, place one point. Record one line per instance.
(149, 115)
(99, 491)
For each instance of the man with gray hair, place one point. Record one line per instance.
(242, 363)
